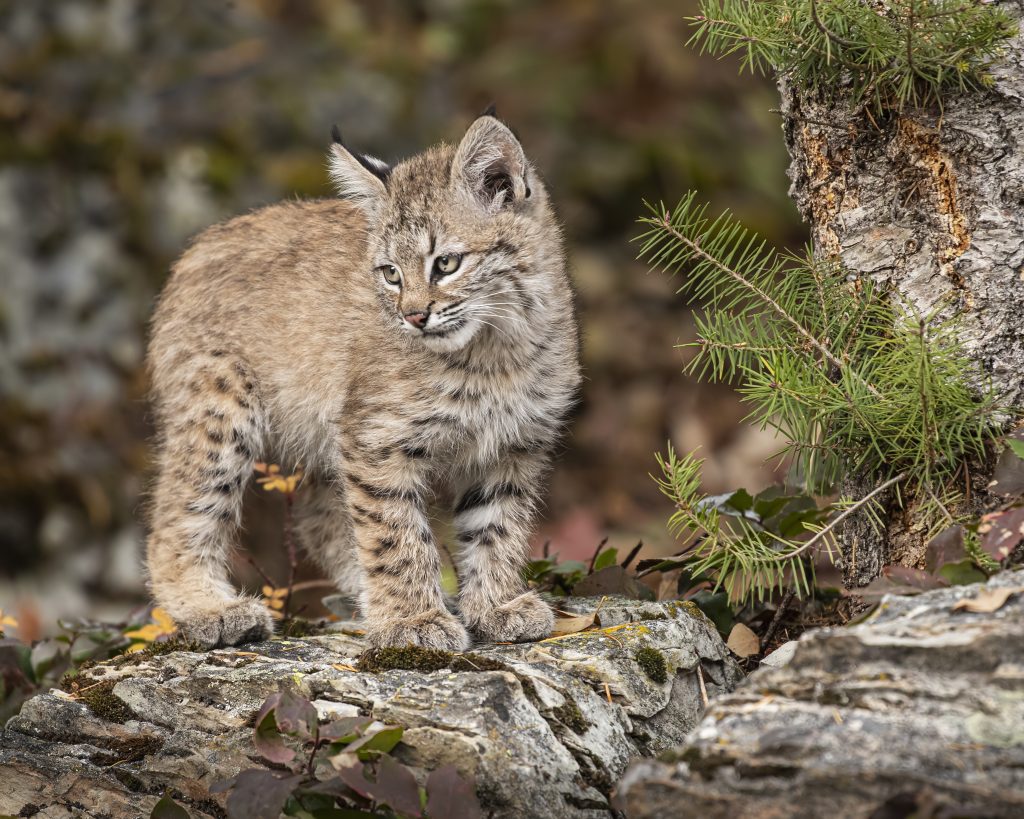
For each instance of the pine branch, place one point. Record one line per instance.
(693, 243)
(894, 52)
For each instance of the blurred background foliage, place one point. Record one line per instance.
(128, 126)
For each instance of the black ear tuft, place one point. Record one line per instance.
(375, 166)
(490, 111)
(336, 134)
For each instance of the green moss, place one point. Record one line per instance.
(476, 662)
(297, 627)
(101, 700)
(170, 646)
(650, 615)
(569, 714)
(406, 658)
(133, 749)
(653, 664)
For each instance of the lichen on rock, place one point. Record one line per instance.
(544, 729)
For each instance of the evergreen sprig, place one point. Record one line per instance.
(854, 381)
(895, 52)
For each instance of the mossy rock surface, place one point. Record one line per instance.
(544, 729)
(917, 711)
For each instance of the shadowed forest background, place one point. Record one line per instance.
(128, 126)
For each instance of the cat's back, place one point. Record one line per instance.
(260, 261)
(251, 250)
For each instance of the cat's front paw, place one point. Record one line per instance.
(520, 620)
(242, 621)
(432, 629)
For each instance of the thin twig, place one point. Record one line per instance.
(820, 534)
(632, 554)
(827, 31)
(289, 542)
(703, 689)
(593, 557)
(263, 574)
(773, 626)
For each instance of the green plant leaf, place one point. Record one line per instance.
(608, 557)
(962, 573)
(167, 808)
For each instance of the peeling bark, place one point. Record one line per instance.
(930, 202)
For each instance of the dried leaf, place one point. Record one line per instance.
(162, 626)
(987, 600)
(572, 625)
(1008, 476)
(743, 642)
(1001, 532)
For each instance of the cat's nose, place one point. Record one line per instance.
(417, 318)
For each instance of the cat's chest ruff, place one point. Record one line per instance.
(492, 411)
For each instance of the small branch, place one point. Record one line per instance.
(703, 688)
(263, 574)
(819, 536)
(593, 557)
(761, 294)
(289, 542)
(835, 38)
(780, 612)
(632, 555)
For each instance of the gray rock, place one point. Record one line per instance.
(545, 733)
(919, 710)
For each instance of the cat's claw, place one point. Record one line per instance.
(432, 629)
(520, 620)
(244, 621)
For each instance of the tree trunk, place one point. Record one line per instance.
(930, 202)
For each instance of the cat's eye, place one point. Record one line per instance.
(447, 264)
(390, 274)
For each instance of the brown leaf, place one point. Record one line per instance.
(572, 625)
(987, 600)
(1008, 476)
(1001, 532)
(945, 547)
(900, 580)
(743, 642)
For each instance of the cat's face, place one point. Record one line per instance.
(455, 236)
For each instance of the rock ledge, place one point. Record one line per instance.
(545, 729)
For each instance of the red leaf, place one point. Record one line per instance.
(1001, 532)
(449, 796)
(395, 786)
(945, 547)
(259, 794)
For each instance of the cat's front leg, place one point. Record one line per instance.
(401, 598)
(493, 518)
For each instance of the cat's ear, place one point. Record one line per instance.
(490, 164)
(358, 177)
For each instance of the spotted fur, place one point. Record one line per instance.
(278, 336)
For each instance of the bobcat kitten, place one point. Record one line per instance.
(410, 341)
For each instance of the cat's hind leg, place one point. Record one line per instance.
(211, 427)
(324, 528)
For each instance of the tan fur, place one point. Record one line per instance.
(277, 337)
